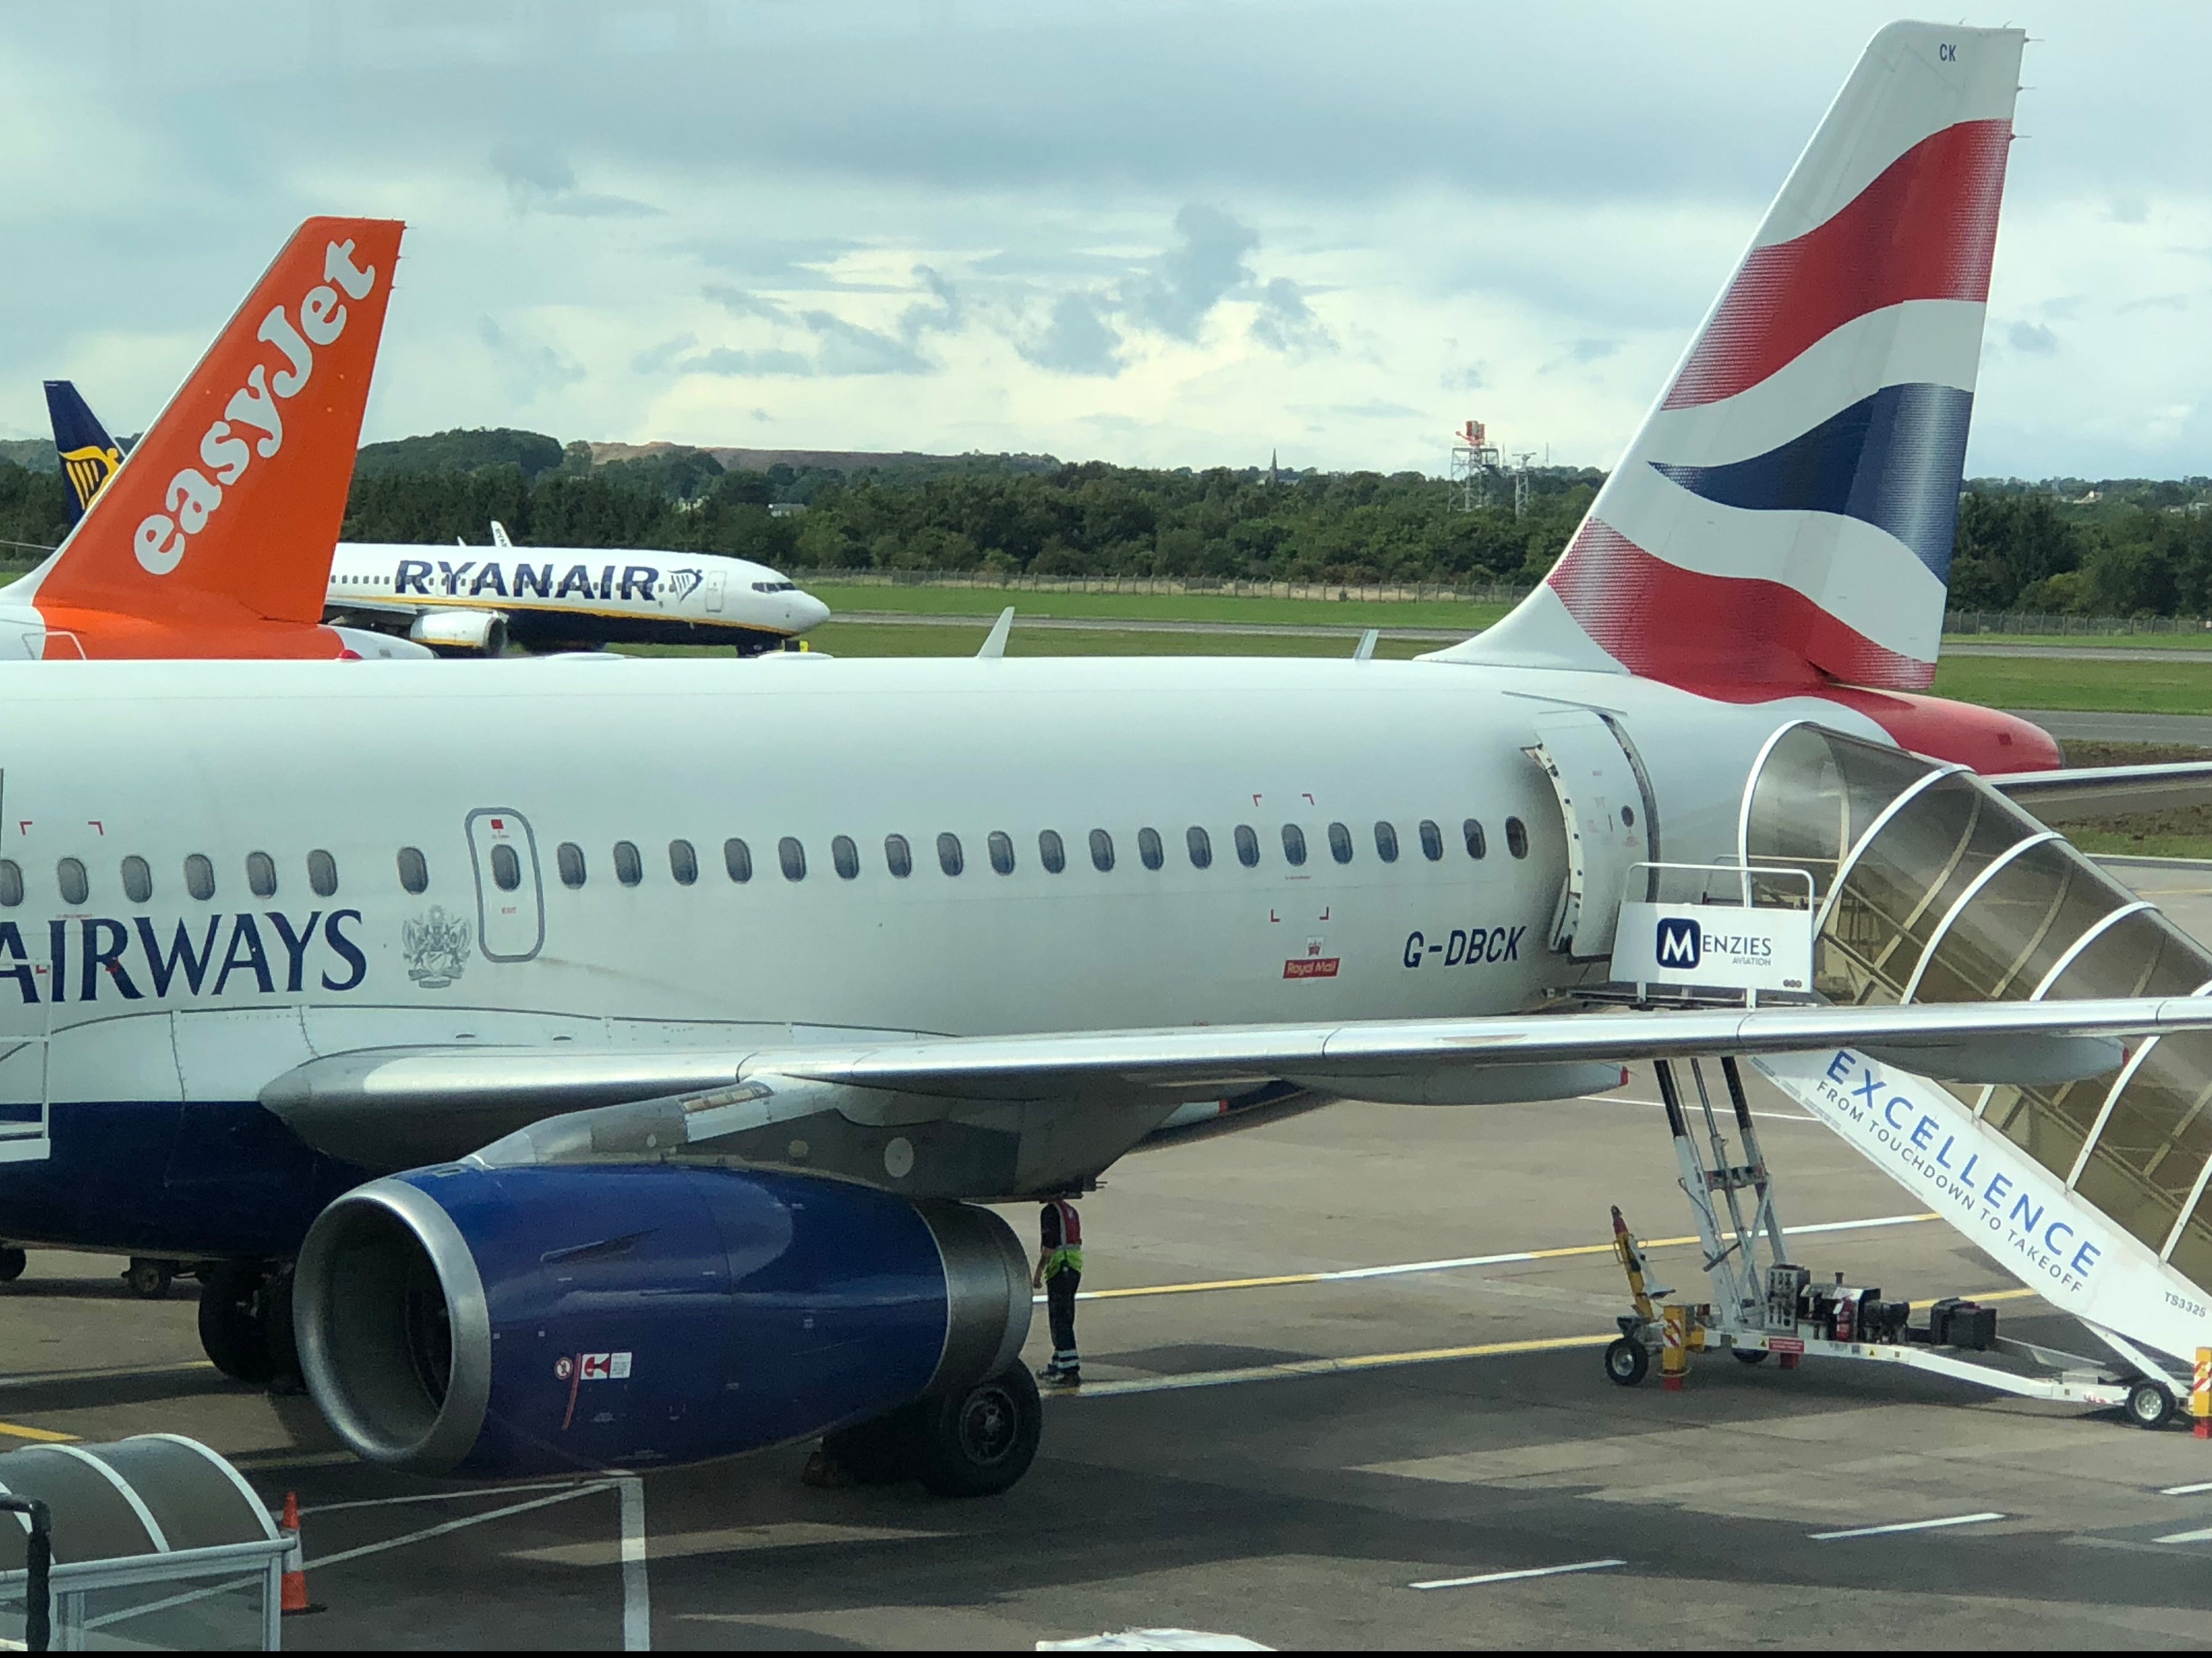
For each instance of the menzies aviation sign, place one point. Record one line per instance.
(1720, 946)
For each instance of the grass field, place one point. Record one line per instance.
(2023, 681)
(1161, 607)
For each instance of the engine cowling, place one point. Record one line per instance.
(482, 1320)
(484, 631)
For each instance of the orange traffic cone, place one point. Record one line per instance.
(296, 1561)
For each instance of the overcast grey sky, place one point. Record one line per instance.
(1154, 233)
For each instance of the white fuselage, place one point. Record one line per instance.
(280, 775)
(571, 598)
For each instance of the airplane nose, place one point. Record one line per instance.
(806, 610)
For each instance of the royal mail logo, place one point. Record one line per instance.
(194, 497)
(1681, 942)
(1310, 967)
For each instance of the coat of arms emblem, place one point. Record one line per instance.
(436, 946)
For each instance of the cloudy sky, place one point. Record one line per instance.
(1153, 233)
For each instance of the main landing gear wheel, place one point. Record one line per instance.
(2150, 1404)
(1626, 1362)
(246, 1324)
(12, 1263)
(880, 1452)
(979, 1442)
(148, 1280)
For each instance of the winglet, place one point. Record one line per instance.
(995, 646)
(228, 508)
(1364, 650)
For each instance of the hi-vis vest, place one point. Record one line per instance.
(1061, 1235)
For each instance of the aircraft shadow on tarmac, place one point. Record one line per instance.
(88, 1289)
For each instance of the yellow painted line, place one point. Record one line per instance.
(1352, 1274)
(1313, 1367)
(42, 1435)
(1357, 1362)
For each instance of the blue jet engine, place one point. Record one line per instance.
(495, 1321)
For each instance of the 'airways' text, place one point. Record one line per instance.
(90, 956)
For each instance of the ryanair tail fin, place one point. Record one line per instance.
(228, 508)
(1784, 515)
(89, 457)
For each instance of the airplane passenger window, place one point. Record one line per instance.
(736, 857)
(898, 857)
(793, 857)
(845, 856)
(11, 883)
(1201, 846)
(570, 858)
(682, 863)
(414, 871)
(1002, 853)
(1148, 848)
(505, 869)
(1432, 840)
(75, 888)
(1294, 843)
(261, 874)
(1248, 847)
(322, 873)
(1050, 853)
(1386, 841)
(1339, 843)
(199, 878)
(630, 868)
(137, 880)
(1517, 837)
(1102, 851)
(1477, 843)
(948, 854)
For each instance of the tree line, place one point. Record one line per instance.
(2126, 547)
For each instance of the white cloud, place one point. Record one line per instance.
(1131, 228)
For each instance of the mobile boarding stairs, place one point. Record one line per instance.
(1866, 875)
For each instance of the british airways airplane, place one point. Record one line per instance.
(540, 598)
(624, 1091)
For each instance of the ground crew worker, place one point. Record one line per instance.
(1058, 1274)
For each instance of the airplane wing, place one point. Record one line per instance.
(395, 1107)
(2069, 797)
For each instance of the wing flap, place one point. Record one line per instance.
(2085, 792)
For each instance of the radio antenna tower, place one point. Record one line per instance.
(1520, 482)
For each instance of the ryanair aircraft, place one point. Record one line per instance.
(540, 598)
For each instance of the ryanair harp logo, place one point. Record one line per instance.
(1681, 942)
(88, 470)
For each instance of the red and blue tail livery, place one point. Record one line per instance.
(1784, 519)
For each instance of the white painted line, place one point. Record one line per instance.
(1904, 1526)
(2185, 1490)
(327, 1561)
(1661, 1105)
(446, 1496)
(637, 1598)
(1512, 1576)
(2202, 1536)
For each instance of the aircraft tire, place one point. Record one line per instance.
(149, 1278)
(12, 1263)
(234, 1332)
(978, 1442)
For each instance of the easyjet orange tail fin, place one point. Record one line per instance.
(228, 508)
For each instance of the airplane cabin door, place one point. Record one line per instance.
(510, 890)
(714, 591)
(1609, 822)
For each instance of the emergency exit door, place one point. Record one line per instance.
(714, 591)
(510, 893)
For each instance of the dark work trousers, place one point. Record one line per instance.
(1060, 1306)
